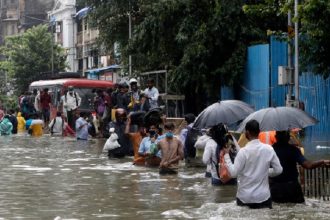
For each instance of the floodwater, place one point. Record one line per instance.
(61, 178)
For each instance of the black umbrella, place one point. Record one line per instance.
(153, 117)
(279, 119)
(227, 112)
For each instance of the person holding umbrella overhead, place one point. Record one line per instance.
(286, 188)
(211, 152)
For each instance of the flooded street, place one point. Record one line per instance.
(48, 177)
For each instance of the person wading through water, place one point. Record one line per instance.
(252, 166)
(171, 151)
(71, 104)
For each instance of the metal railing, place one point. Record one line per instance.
(316, 183)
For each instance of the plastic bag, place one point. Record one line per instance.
(111, 143)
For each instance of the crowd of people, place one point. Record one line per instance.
(134, 126)
(36, 108)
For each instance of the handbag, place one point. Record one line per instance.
(224, 174)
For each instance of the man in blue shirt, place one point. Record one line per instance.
(148, 147)
(82, 127)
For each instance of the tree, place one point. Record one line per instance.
(315, 35)
(314, 31)
(30, 54)
(201, 43)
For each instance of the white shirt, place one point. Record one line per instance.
(209, 157)
(252, 169)
(70, 101)
(153, 95)
(37, 102)
(58, 127)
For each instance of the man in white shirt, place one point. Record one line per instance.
(252, 166)
(71, 103)
(57, 125)
(37, 100)
(152, 94)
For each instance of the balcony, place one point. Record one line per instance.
(90, 36)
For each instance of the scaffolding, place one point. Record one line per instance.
(171, 101)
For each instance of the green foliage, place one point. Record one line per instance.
(315, 29)
(7, 102)
(201, 43)
(30, 54)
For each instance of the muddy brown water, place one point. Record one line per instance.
(61, 178)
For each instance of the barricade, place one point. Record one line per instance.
(316, 183)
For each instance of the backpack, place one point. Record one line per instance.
(52, 127)
(220, 165)
(191, 138)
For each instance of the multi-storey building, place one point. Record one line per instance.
(18, 15)
(63, 23)
(92, 59)
(73, 31)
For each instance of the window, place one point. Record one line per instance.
(85, 25)
(79, 26)
(80, 65)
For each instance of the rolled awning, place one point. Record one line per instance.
(115, 66)
(82, 13)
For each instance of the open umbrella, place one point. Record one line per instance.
(279, 119)
(227, 112)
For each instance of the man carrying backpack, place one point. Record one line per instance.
(253, 165)
(57, 125)
(71, 103)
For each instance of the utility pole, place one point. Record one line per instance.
(52, 23)
(129, 37)
(296, 68)
(289, 96)
(52, 48)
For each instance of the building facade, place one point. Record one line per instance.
(16, 16)
(64, 28)
(75, 34)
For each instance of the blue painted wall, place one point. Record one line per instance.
(255, 87)
(314, 90)
(260, 88)
(278, 57)
(315, 93)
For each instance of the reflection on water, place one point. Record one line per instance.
(48, 178)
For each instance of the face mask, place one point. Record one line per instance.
(169, 134)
